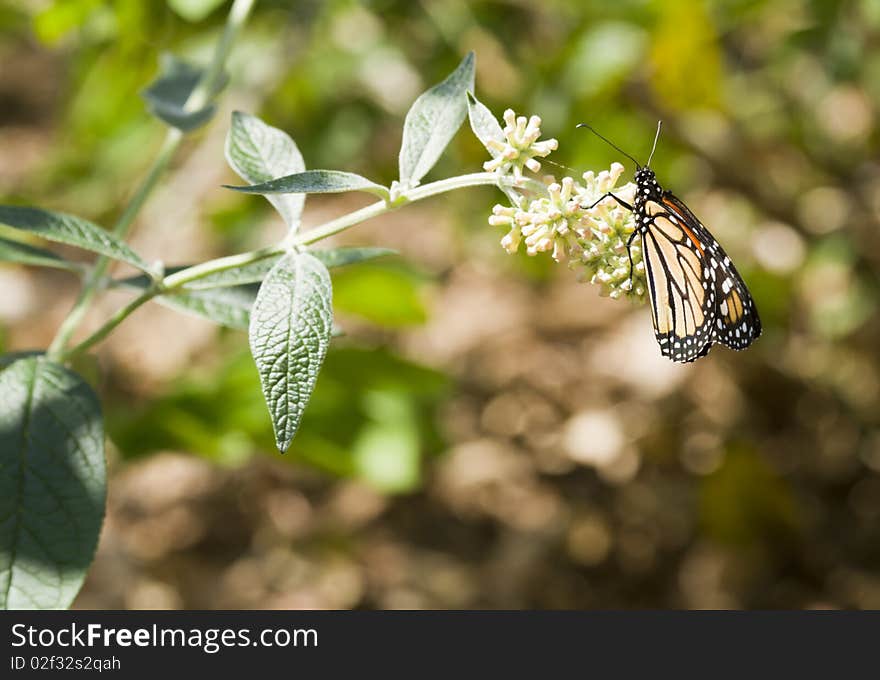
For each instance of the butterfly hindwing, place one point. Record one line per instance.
(736, 322)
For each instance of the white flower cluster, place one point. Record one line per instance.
(564, 222)
(520, 147)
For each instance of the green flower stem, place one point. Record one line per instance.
(176, 282)
(198, 98)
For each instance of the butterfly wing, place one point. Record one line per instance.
(736, 320)
(680, 287)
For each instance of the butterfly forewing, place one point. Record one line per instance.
(680, 290)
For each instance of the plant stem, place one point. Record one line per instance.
(91, 285)
(118, 317)
(176, 282)
(198, 98)
(417, 194)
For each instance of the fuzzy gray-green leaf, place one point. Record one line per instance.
(485, 126)
(259, 153)
(227, 306)
(73, 231)
(10, 358)
(291, 324)
(166, 96)
(315, 182)
(52, 483)
(22, 253)
(339, 257)
(432, 121)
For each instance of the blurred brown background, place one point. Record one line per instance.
(489, 433)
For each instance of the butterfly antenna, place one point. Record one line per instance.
(610, 143)
(654, 148)
(559, 165)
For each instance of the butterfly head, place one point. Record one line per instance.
(646, 181)
(645, 176)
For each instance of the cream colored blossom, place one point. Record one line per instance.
(520, 147)
(568, 220)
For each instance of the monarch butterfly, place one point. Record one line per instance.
(697, 296)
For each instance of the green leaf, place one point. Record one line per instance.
(13, 251)
(10, 358)
(228, 306)
(484, 124)
(194, 10)
(73, 231)
(259, 153)
(52, 484)
(339, 257)
(166, 96)
(387, 296)
(432, 122)
(486, 127)
(315, 182)
(291, 322)
(253, 272)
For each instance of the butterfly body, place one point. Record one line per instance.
(697, 296)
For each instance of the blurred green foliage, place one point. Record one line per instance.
(369, 417)
(386, 295)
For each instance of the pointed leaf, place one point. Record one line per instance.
(315, 182)
(485, 126)
(291, 323)
(166, 96)
(259, 153)
(432, 122)
(52, 483)
(73, 231)
(339, 257)
(229, 306)
(22, 253)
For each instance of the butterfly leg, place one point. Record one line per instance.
(629, 252)
(608, 195)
